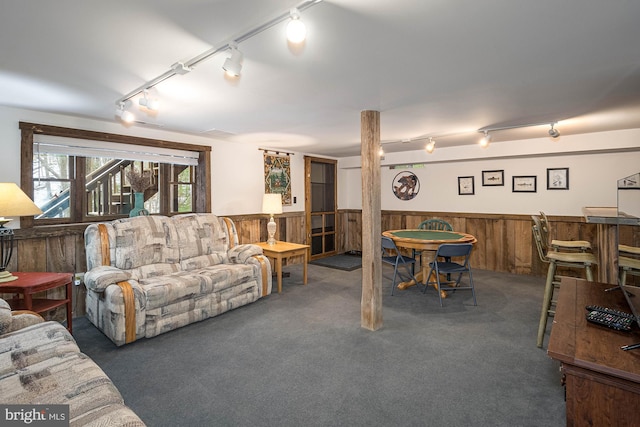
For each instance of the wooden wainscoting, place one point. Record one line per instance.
(505, 242)
(58, 249)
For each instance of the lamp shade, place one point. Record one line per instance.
(14, 202)
(272, 204)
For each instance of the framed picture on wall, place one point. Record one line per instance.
(405, 185)
(465, 185)
(492, 178)
(558, 179)
(524, 184)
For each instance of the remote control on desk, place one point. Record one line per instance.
(614, 319)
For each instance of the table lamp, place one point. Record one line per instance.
(13, 202)
(272, 204)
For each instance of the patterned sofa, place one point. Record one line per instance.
(151, 274)
(40, 364)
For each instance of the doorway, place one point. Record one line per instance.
(320, 206)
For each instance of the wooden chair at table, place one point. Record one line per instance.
(628, 262)
(576, 245)
(434, 224)
(555, 258)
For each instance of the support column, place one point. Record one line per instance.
(371, 303)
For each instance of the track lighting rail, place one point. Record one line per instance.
(180, 68)
(498, 128)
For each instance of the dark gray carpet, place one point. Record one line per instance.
(300, 358)
(340, 262)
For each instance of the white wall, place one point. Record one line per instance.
(592, 177)
(237, 177)
(237, 170)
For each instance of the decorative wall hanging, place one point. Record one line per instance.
(466, 185)
(277, 176)
(524, 184)
(405, 185)
(558, 179)
(492, 178)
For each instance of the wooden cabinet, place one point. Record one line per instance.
(602, 381)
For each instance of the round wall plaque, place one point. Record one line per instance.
(405, 185)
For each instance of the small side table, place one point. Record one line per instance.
(284, 250)
(28, 284)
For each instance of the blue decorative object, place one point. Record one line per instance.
(138, 205)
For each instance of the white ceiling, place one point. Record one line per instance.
(442, 68)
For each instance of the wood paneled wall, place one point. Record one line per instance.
(505, 242)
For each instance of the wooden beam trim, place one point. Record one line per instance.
(108, 137)
(263, 266)
(129, 311)
(104, 244)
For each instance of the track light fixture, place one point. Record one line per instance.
(233, 64)
(431, 145)
(150, 103)
(125, 116)
(553, 133)
(296, 33)
(485, 140)
(296, 29)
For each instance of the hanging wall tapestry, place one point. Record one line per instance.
(277, 176)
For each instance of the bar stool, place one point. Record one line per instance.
(556, 258)
(578, 245)
(628, 262)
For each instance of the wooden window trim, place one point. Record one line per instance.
(202, 196)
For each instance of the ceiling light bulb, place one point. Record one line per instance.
(150, 103)
(430, 146)
(553, 133)
(484, 141)
(125, 116)
(381, 152)
(296, 30)
(233, 64)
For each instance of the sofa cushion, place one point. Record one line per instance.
(200, 234)
(182, 313)
(34, 344)
(203, 261)
(97, 279)
(154, 270)
(71, 379)
(145, 240)
(165, 290)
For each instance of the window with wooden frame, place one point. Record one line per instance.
(79, 176)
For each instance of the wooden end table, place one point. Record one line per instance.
(28, 284)
(284, 250)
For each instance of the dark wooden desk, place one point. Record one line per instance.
(602, 381)
(32, 283)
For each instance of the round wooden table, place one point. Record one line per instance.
(427, 242)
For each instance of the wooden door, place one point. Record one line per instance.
(320, 206)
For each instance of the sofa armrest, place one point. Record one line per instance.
(241, 253)
(14, 320)
(97, 279)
